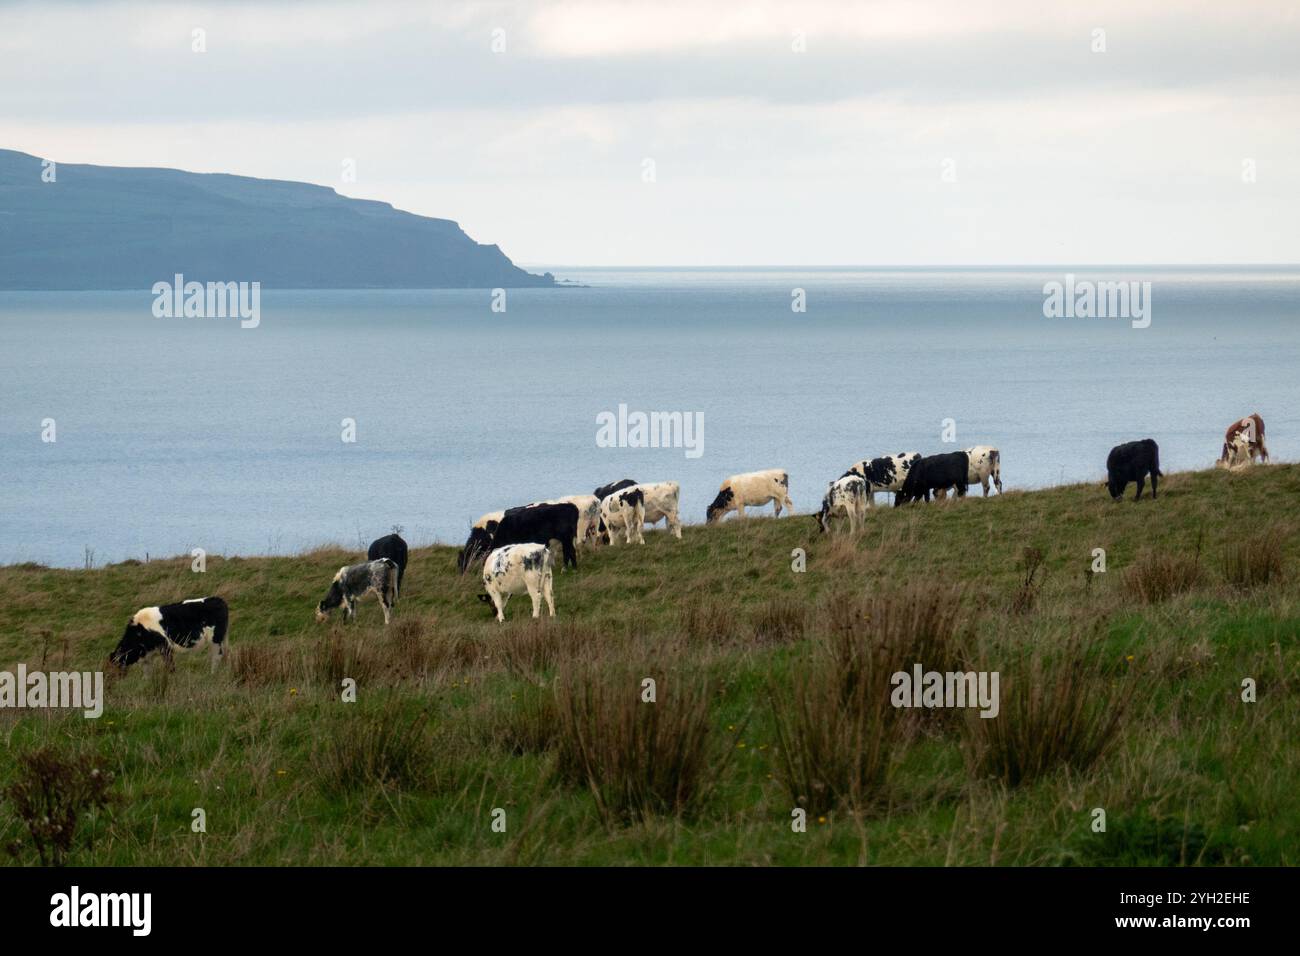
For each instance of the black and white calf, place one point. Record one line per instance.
(623, 510)
(185, 626)
(934, 472)
(390, 546)
(846, 497)
(516, 569)
(1133, 461)
(354, 582)
(886, 473)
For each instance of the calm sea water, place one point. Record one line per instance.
(182, 433)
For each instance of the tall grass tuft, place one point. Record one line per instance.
(639, 759)
(385, 748)
(1160, 575)
(1058, 708)
(836, 728)
(780, 620)
(1254, 561)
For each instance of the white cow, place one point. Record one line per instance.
(845, 497)
(985, 463)
(658, 502)
(886, 473)
(752, 489)
(515, 569)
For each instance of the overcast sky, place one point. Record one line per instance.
(795, 133)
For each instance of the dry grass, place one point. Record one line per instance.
(1159, 576)
(638, 758)
(1058, 709)
(387, 748)
(1254, 561)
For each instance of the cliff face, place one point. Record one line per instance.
(103, 227)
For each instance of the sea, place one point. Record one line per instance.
(343, 414)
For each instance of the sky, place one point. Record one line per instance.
(663, 132)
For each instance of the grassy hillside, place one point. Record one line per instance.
(1120, 691)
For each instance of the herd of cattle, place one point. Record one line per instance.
(515, 543)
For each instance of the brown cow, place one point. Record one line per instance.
(1252, 423)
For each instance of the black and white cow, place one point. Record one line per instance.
(354, 582)
(390, 546)
(185, 626)
(479, 542)
(516, 569)
(540, 524)
(604, 491)
(1133, 461)
(886, 473)
(985, 466)
(623, 510)
(846, 497)
(934, 472)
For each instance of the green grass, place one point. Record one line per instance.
(458, 716)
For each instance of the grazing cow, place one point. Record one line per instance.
(354, 582)
(752, 489)
(1132, 461)
(1238, 453)
(517, 568)
(985, 463)
(623, 509)
(847, 497)
(605, 491)
(1252, 426)
(884, 474)
(183, 627)
(659, 501)
(479, 541)
(588, 512)
(933, 472)
(390, 546)
(540, 524)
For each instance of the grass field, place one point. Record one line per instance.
(1120, 691)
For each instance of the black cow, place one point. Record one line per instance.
(392, 547)
(933, 472)
(604, 491)
(1132, 461)
(184, 626)
(540, 524)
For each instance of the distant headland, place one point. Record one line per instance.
(79, 227)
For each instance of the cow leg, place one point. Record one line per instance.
(675, 526)
(961, 491)
(548, 592)
(570, 555)
(1154, 481)
(499, 602)
(535, 595)
(985, 482)
(1142, 481)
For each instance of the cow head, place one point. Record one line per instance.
(719, 506)
(478, 544)
(332, 600)
(823, 525)
(136, 642)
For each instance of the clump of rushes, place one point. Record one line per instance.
(1254, 561)
(639, 758)
(1058, 708)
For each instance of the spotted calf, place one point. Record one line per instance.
(354, 582)
(516, 569)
